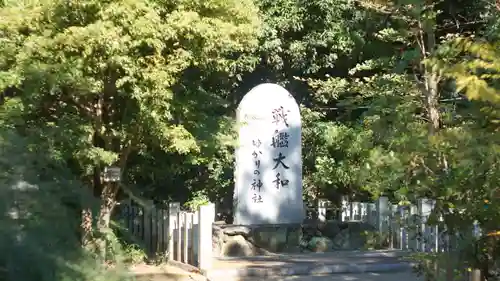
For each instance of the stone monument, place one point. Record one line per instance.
(268, 172)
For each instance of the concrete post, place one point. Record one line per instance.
(323, 204)
(206, 215)
(382, 214)
(344, 212)
(371, 218)
(425, 207)
(173, 209)
(185, 238)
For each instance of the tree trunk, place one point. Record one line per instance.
(86, 228)
(102, 137)
(108, 202)
(432, 102)
(108, 197)
(427, 43)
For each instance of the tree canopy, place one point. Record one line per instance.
(398, 98)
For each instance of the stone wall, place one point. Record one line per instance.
(313, 236)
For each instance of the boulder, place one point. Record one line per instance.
(342, 240)
(217, 240)
(272, 239)
(233, 230)
(352, 236)
(320, 244)
(309, 230)
(237, 246)
(330, 229)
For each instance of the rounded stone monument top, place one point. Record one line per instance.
(268, 174)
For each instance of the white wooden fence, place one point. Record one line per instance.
(406, 226)
(172, 233)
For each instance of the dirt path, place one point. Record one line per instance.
(167, 272)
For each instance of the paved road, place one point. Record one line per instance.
(337, 277)
(311, 264)
(341, 277)
(330, 258)
(369, 266)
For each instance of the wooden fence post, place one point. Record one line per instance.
(126, 211)
(147, 225)
(154, 230)
(206, 216)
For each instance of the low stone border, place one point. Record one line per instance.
(263, 271)
(184, 266)
(170, 271)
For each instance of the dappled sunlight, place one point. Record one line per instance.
(397, 102)
(304, 264)
(40, 217)
(345, 277)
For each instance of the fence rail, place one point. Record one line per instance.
(406, 226)
(408, 229)
(187, 236)
(170, 232)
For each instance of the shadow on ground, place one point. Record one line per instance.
(400, 276)
(311, 264)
